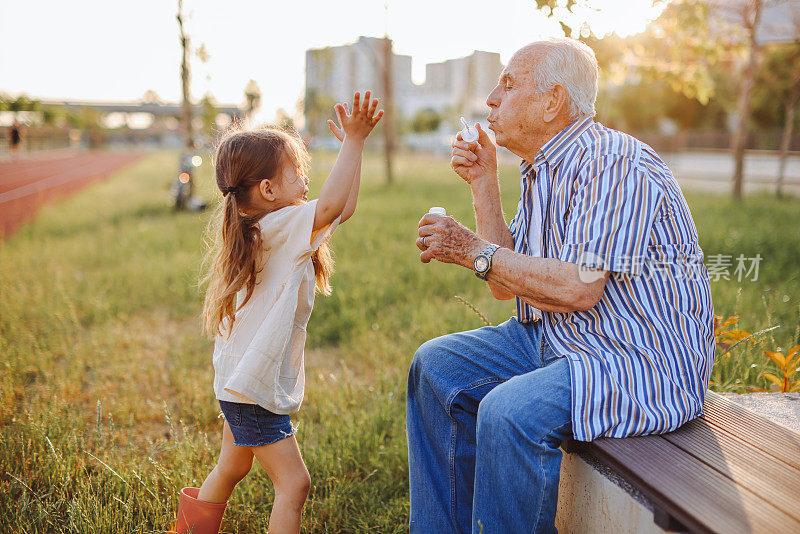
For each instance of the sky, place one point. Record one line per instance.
(107, 50)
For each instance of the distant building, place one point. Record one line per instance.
(460, 84)
(334, 73)
(337, 71)
(456, 86)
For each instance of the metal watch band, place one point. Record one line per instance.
(488, 252)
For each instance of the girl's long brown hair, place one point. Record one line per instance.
(243, 159)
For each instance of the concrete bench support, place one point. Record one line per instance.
(592, 499)
(729, 471)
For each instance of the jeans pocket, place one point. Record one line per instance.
(232, 411)
(238, 414)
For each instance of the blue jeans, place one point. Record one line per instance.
(486, 412)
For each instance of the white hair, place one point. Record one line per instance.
(572, 65)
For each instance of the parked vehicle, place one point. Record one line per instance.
(183, 187)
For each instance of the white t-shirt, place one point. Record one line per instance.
(535, 238)
(261, 362)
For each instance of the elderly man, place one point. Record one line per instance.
(613, 334)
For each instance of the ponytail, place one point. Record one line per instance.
(323, 268)
(236, 264)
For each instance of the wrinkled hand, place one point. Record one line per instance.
(443, 239)
(474, 160)
(360, 122)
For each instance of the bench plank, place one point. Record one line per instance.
(680, 485)
(775, 482)
(773, 439)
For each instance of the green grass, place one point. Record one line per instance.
(106, 401)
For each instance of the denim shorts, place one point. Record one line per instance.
(253, 426)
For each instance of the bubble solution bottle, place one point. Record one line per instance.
(468, 133)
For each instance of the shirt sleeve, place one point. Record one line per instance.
(611, 216)
(297, 230)
(317, 237)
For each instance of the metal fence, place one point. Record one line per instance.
(714, 140)
(38, 141)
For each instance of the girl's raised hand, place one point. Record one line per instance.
(360, 122)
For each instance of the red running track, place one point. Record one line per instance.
(27, 184)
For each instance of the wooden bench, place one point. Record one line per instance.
(729, 471)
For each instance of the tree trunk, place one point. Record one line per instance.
(788, 127)
(745, 96)
(187, 105)
(388, 119)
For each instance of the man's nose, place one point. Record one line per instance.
(493, 100)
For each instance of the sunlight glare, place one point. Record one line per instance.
(623, 17)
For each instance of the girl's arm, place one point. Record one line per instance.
(350, 207)
(355, 126)
(336, 189)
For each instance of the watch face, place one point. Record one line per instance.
(481, 263)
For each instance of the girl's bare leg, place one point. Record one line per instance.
(284, 466)
(233, 464)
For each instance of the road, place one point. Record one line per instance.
(29, 183)
(713, 171)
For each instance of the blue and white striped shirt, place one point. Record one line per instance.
(640, 359)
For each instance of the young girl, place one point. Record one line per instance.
(271, 256)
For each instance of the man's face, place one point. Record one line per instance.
(516, 108)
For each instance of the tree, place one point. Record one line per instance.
(317, 108)
(425, 120)
(22, 103)
(731, 30)
(735, 24)
(388, 106)
(252, 96)
(91, 122)
(779, 77)
(208, 112)
(790, 103)
(51, 115)
(749, 13)
(283, 120)
(680, 49)
(151, 97)
(677, 48)
(186, 116)
(777, 96)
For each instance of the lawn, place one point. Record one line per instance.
(106, 401)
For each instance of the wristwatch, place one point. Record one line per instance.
(483, 261)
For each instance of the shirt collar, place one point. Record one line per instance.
(554, 150)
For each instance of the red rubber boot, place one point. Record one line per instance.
(198, 517)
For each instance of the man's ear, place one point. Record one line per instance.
(555, 103)
(265, 189)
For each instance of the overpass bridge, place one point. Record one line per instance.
(157, 109)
